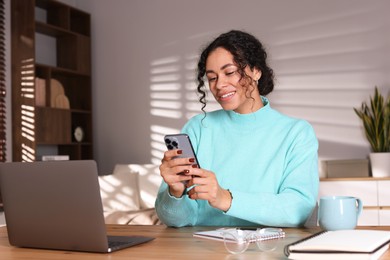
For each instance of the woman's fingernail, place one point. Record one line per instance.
(186, 171)
(192, 160)
(194, 166)
(179, 151)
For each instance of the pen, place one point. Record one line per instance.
(239, 228)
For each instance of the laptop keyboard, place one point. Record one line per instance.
(118, 242)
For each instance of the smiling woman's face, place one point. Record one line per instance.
(230, 90)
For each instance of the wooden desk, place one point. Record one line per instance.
(170, 243)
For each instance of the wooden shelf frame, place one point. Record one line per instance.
(40, 125)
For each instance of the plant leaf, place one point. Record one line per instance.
(376, 121)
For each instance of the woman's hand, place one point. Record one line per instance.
(173, 171)
(207, 188)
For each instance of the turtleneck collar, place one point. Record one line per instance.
(249, 121)
(237, 116)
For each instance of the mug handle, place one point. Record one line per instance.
(360, 206)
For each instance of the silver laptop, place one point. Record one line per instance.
(57, 205)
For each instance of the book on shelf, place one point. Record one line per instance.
(340, 244)
(55, 157)
(40, 92)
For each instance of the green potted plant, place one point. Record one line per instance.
(376, 121)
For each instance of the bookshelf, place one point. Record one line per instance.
(51, 80)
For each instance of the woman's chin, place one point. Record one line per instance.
(228, 106)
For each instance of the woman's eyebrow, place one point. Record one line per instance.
(227, 65)
(222, 68)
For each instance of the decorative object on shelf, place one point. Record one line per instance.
(78, 134)
(62, 101)
(58, 99)
(376, 122)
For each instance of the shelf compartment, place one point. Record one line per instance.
(43, 68)
(52, 125)
(51, 30)
(57, 14)
(71, 50)
(84, 120)
(60, 16)
(76, 151)
(80, 22)
(77, 89)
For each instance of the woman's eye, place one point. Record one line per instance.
(212, 79)
(229, 73)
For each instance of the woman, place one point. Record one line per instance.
(259, 167)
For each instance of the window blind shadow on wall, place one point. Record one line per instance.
(325, 67)
(174, 98)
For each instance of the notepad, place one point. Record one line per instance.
(344, 244)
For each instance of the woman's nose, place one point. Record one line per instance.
(221, 82)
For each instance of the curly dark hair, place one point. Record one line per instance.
(247, 50)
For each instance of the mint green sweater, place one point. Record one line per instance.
(267, 160)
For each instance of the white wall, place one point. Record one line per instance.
(327, 56)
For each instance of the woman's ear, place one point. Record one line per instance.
(256, 74)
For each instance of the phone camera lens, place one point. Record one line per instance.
(170, 147)
(175, 144)
(167, 141)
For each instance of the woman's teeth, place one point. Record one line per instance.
(227, 95)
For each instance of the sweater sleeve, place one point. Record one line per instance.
(297, 192)
(175, 212)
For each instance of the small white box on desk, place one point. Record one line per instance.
(346, 168)
(55, 157)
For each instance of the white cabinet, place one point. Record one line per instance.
(384, 193)
(384, 217)
(369, 217)
(364, 190)
(374, 193)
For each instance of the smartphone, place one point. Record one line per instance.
(182, 142)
